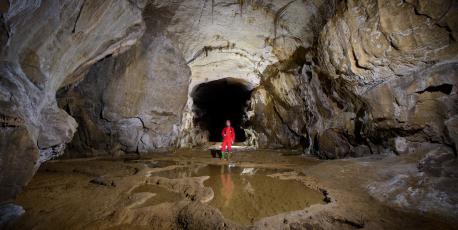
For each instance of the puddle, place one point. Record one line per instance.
(152, 163)
(245, 195)
(182, 172)
(162, 195)
(160, 164)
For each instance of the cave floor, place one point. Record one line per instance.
(136, 192)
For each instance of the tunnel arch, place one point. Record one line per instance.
(216, 101)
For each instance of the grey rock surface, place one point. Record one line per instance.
(132, 102)
(47, 45)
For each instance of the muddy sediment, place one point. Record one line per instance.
(190, 190)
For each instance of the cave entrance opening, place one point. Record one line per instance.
(218, 101)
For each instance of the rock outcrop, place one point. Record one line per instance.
(132, 102)
(400, 59)
(47, 45)
(382, 77)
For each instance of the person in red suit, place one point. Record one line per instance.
(228, 134)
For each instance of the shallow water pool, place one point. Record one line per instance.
(245, 195)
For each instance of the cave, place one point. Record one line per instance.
(218, 101)
(345, 113)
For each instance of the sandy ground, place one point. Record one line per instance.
(111, 194)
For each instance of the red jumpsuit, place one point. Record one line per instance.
(228, 137)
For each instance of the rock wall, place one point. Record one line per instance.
(381, 77)
(242, 41)
(132, 102)
(369, 42)
(47, 45)
(400, 59)
(305, 102)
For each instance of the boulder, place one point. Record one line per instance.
(333, 145)
(440, 162)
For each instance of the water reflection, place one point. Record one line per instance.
(227, 190)
(245, 195)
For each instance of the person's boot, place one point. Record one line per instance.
(222, 155)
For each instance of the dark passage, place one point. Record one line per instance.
(218, 101)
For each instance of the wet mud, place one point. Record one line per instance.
(191, 190)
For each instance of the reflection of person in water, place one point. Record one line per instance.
(228, 186)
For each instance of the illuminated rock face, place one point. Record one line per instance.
(132, 102)
(400, 60)
(249, 43)
(142, 101)
(371, 76)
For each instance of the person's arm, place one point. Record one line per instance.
(222, 132)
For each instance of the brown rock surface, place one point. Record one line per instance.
(370, 41)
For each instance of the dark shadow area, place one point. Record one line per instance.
(218, 101)
(444, 88)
